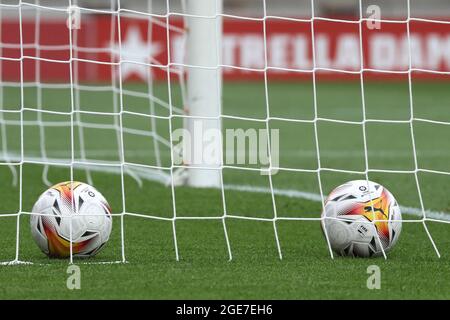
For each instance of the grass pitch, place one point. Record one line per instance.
(412, 270)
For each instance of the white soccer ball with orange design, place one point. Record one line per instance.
(71, 213)
(360, 218)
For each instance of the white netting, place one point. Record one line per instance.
(80, 154)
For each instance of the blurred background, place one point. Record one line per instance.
(391, 8)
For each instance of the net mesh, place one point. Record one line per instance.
(92, 115)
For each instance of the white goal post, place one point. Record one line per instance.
(204, 86)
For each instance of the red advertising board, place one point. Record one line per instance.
(286, 52)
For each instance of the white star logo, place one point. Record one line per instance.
(135, 48)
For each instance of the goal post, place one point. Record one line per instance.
(204, 85)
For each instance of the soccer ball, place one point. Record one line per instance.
(85, 206)
(348, 215)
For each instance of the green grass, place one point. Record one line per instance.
(412, 270)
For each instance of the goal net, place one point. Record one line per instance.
(181, 110)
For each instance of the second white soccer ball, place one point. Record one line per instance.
(350, 212)
(71, 214)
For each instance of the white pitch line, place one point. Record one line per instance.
(439, 215)
(15, 263)
(291, 193)
(161, 177)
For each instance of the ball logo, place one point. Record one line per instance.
(363, 188)
(362, 230)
